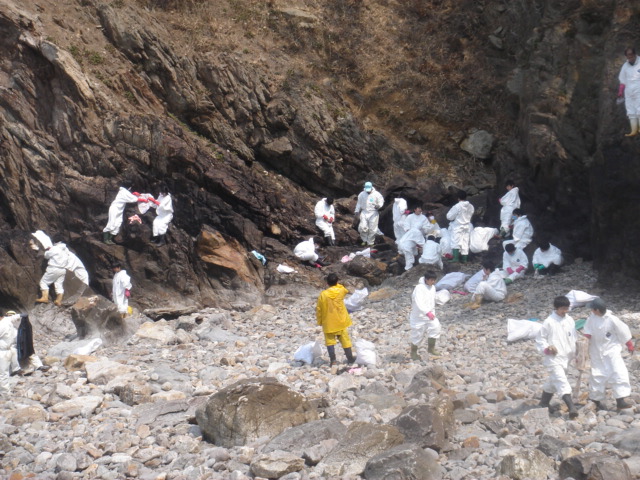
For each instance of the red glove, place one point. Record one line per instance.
(155, 201)
(136, 194)
(330, 219)
(127, 293)
(142, 200)
(407, 212)
(550, 350)
(509, 270)
(519, 269)
(621, 90)
(431, 315)
(325, 218)
(630, 346)
(588, 335)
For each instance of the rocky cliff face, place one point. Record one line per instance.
(247, 139)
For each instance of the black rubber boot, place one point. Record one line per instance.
(161, 240)
(107, 238)
(349, 354)
(622, 403)
(545, 399)
(331, 349)
(573, 411)
(599, 405)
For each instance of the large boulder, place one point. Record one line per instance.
(478, 144)
(527, 464)
(95, 316)
(368, 268)
(250, 409)
(361, 442)
(404, 462)
(422, 425)
(594, 466)
(298, 439)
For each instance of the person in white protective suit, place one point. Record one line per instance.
(164, 211)
(522, 230)
(547, 259)
(509, 201)
(556, 340)
(423, 315)
(630, 89)
(432, 227)
(491, 288)
(116, 211)
(460, 227)
(411, 243)
(22, 366)
(8, 351)
(514, 263)
(607, 334)
(60, 260)
(431, 253)
(475, 279)
(325, 214)
(400, 212)
(306, 251)
(121, 289)
(369, 202)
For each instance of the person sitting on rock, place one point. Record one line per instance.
(332, 315)
(607, 335)
(509, 201)
(547, 259)
(306, 251)
(514, 263)
(431, 253)
(460, 227)
(121, 289)
(369, 202)
(522, 230)
(423, 316)
(325, 214)
(116, 211)
(491, 288)
(556, 341)
(413, 240)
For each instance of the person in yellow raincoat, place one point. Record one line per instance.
(332, 314)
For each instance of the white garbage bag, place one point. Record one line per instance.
(355, 300)
(522, 329)
(480, 236)
(451, 281)
(89, 347)
(282, 268)
(308, 352)
(366, 353)
(442, 297)
(472, 283)
(578, 298)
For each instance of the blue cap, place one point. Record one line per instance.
(368, 187)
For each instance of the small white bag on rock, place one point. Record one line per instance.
(366, 352)
(451, 281)
(308, 352)
(578, 298)
(354, 301)
(522, 329)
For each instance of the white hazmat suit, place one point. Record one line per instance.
(522, 232)
(121, 283)
(561, 333)
(492, 288)
(8, 352)
(164, 215)
(460, 226)
(422, 317)
(368, 205)
(399, 216)
(551, 256)
(321, 211)
(630, 78)
(58, 257)
(514, 265)
(431, 254)
(608, 335)
(509, 201)
(306, 251)
(116, 210)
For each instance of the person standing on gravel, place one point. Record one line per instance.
(460, 227)
(556, 340)
(332, 315)
(369, 202)
(423, 315)
(607, 334)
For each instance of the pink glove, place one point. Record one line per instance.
(142, 200)
(519, 269)
(621, 90)
(127, 293)
(509, 270)
(330, 219)
(630, 346)
(136, 194)
(431, 315)
(325, 217)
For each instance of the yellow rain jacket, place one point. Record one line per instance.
(330, 310)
